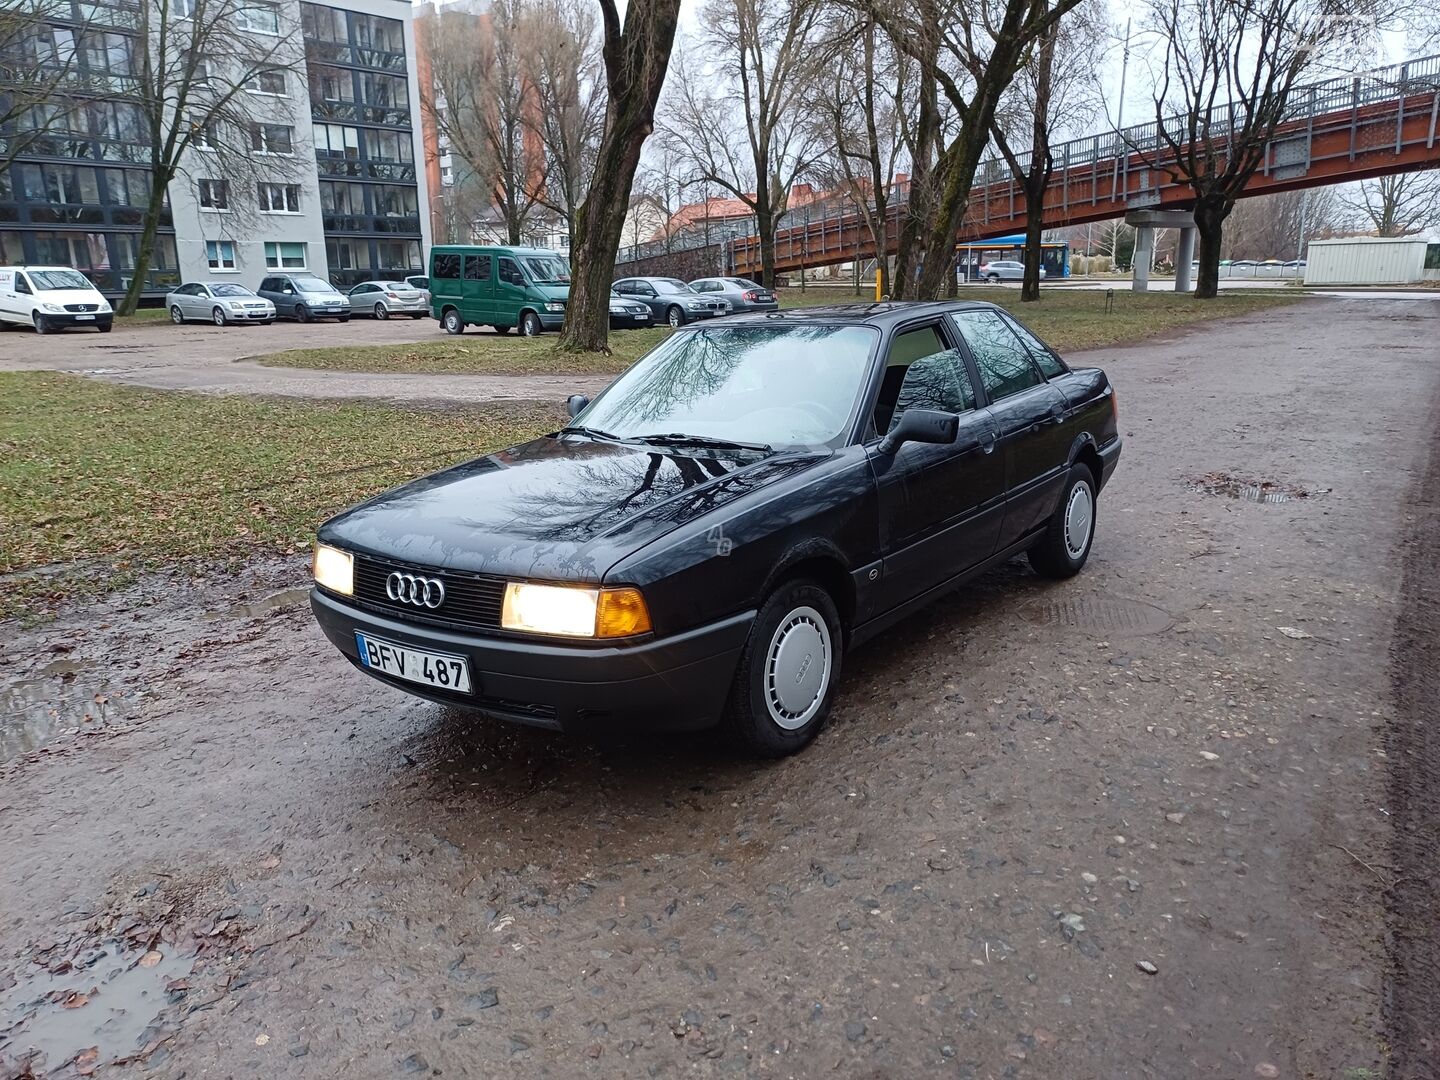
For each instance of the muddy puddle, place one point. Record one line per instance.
(280, 601)
(66, 697)
(101, 1009)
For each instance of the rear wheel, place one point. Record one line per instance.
(1064, 547)
(451, 322)
(530, 325)
(675, 317)
(42, 324)
(218, 316)
(175, 315)
(500, 328)
(381, 311)
(993, 279)
(788, 671)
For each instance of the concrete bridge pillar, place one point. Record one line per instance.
(1145, 222)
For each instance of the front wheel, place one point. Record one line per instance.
(451, 322)
(675, 317)
(218, 316)
(381, 311)
(418, 315)
(302, 314)
(530, 325)
(343, 318)
(175, 316)
(42, 324)
(1064, 546)
(788, 672)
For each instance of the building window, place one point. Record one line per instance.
(323, 23)
(272, 139)
(220, 254)
(389, 146)
(375, 32)
(384, 91)
(204, 136)
(183, 9)
(215, 194)
(336, 141)
(397, 254)
(333, 84)
(341, 198)
(285, 256)
(392, 201)
(279, 198)
(269, 81)
(259, 18)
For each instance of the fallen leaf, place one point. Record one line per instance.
(261, 1040)
(73, 1000)
(87, 1061)
(270, 862)
(1294, 632)
(151, 958)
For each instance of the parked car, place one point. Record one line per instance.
(671, 300)
(51, 298)
(999, 270)
(381, 299)
(305, 297)
(740, 293)
(628, 313)
(503, 287)
(220, 302)
(421, 284)
(703, 542)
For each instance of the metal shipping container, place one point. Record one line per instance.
(1365, 260)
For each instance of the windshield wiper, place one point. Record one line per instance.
(678, 438)
(593, 433)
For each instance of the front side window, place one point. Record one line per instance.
(1038, 351)
(509, 272)
(1004, 363)
(220, 254)
(282, 256)
(215, 194)
(280, 198)
(781, 386)
(921, 372)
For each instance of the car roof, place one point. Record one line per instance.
(883, 314)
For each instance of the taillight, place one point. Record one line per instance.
(751, 294)
(393, 296)
(1115, 405)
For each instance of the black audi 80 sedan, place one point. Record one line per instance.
(705, 540)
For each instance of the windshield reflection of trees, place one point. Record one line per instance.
(701, 366)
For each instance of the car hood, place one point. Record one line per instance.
(553, 292)
(563, 509)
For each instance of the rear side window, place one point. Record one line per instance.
(922, 372)
(446, 267)
(1038, 350)
(1004, 363)
(477, 268)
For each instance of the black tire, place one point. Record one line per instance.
(993, 279)
(418, 315)
(175, 316)
(42, 324)
(502, 329)
(302, 314)
(105, 328)
(451, 322)
(217, 316)
(266, 322)
(1058, 553)
(343, 318)
(381, 311)
(530, 325)
(753, 710)
(674, 315)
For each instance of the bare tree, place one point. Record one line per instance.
(42, 77)
(1400, 205)
(1057, 92)
(564, 66)
(196, 58)
(969, 51)
(485, 104)
(750, 134)
(1279, 225)
(1223, 85)
(637, 57)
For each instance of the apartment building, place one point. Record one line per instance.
(335, 182)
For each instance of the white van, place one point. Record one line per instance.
(51, 298)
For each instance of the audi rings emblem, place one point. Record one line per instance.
(417, 591)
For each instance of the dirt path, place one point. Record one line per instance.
(1178, 759)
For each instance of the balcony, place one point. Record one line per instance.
(339, 112)
(338, 52)
(353, 169)
(404, 225)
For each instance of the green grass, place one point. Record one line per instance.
(115, 479)
(143, 315)
(1069, 319)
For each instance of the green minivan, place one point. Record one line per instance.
(503, 287)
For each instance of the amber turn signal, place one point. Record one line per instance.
(621, 613)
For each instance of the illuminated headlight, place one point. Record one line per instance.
(52, 307)
(554, 305)
(574, 611)
(334, 569)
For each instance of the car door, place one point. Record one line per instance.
(477, 289)
(1029, 415)
(510, 291)
(646, 294)
(940, 506)
(24, 302)
(9, 310)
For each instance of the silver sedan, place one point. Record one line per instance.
(382, 299)
(220, 302)
(998, 270)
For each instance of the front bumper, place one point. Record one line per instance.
(551, 320)
(69, 318)
(255, 315)
(677, 683)
(619, 321)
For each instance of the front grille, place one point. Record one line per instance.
(472, 601)
(82, 307)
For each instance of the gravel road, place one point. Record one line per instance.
(1163, 820)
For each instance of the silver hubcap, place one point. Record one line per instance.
(1079, 520)
(797, 668)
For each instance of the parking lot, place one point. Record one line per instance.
(1141, 823)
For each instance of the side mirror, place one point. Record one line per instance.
(921, 425)
(575, 403)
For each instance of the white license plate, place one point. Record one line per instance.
(82, 318)
(414, 665)
(642, 318)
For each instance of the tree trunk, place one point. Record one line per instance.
(765, 226)
(1035, 185)
(1210, 214)
(877, 235)
(148, 231)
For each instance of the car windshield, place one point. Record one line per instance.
(778, 386)
(59, 279)
(314, 285)
(230, 290)
(547, 269)
(670, 285)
